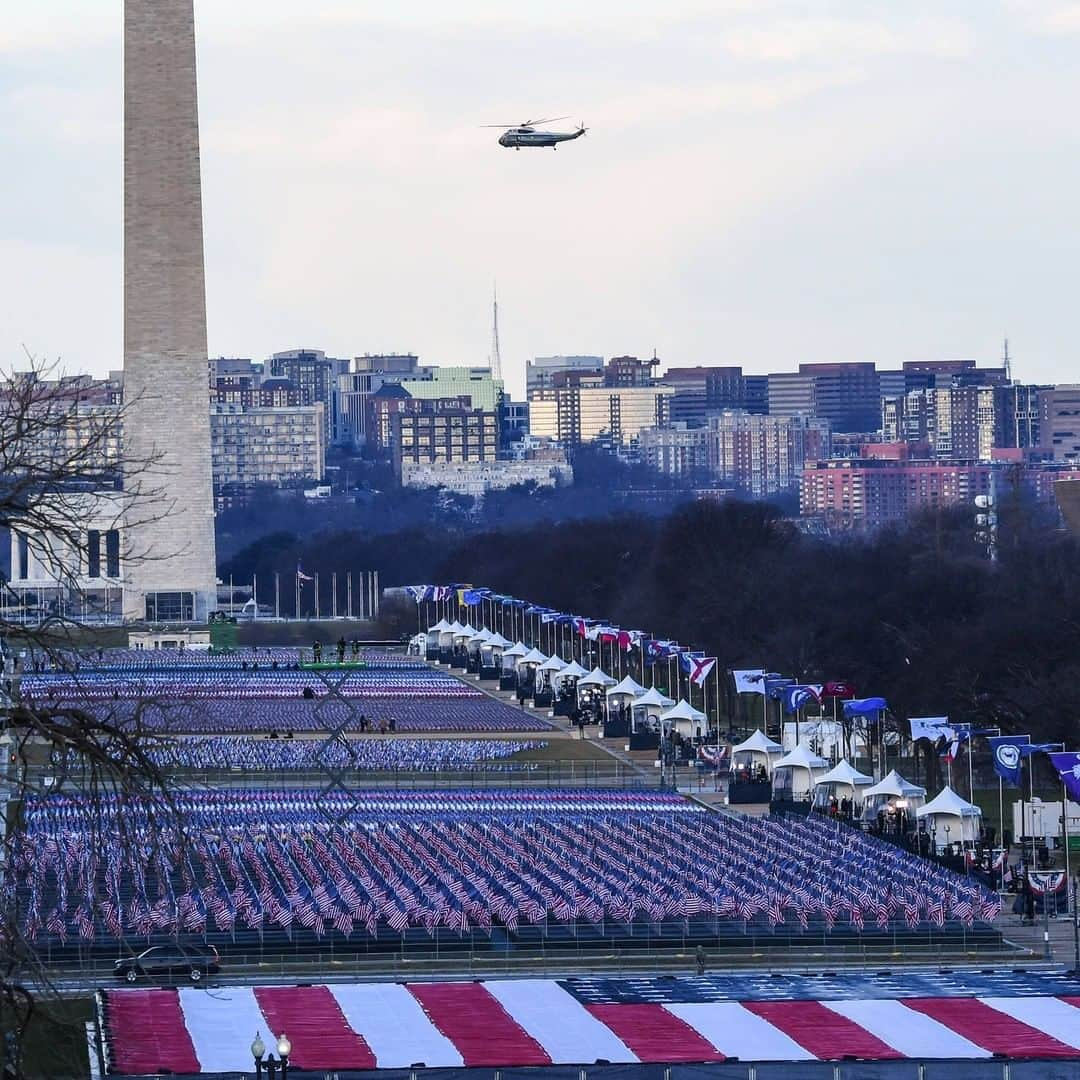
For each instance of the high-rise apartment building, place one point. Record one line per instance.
(869, 493)
(950, 422)
(444, 435)
(764, 455)
(280, 447)
(1060, 422)
(678, 450)
(1018, 416)
(573, 415)
(316, 376)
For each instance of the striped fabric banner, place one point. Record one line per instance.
(521, 1022)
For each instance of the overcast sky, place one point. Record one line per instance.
(764, 182)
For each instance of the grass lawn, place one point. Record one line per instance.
(560, 748)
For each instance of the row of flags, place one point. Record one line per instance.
(1009, 751)
(696, 665)
(795, 695)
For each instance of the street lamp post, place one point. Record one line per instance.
(274, 1068)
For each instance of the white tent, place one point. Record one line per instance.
(843, 781)
(597, 678)
(533, 656)
(481, 637)
(795, 773)
(448, 633)
(950, 818)
(497, 641)
(653, 699)
(552, 664)
(511, 656)
(467, 631)
(759, 749)
(648, 707)
(894, 792)
(628, 688)
(441, 627)
(685, 719)
(894, 786)
(573, 670)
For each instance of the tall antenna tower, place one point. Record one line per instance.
(496, 356)
(1006, 361)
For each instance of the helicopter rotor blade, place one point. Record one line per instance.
(546, 120)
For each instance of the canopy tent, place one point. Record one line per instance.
(685, 719)
(481, 637)
(842, 781)
(441, 627)
(448, 633)
(552, 664)
(795, 773)
(648, 707)
(533, 656)
(596, 677)
(498, 642)
(628, 688)
(573, 670)
(467, 631)
(950, 818)
(654, 699)
(759, 751)
(894, 786)
(511, 656)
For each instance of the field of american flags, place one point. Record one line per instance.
(300, 866)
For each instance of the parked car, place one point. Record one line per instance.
(194, 961)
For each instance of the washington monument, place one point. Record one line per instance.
(171, 571)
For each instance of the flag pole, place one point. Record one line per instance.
(1065, 831)
(1031, 800)
(1001, 822)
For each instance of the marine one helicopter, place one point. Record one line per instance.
(526, 134)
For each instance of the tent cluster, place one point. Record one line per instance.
(280, 755)
(308, 862)
(801, 774)
(445, 639)
(539, 673)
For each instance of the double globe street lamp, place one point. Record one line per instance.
(278, 1067)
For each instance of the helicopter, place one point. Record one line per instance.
(519, 135)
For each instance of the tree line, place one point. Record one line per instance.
(916, 613)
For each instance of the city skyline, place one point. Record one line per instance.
(758, 188)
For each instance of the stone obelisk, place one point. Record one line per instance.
(170, 563)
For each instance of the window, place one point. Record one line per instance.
(93, 554)
(112, 553)
(170, 607)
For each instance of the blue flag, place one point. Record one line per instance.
(774, 686)
(868, 706)
(1008, 751)
(1068, 768)
(795, 697)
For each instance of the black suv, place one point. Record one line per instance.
(194, 961)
